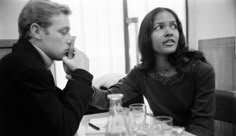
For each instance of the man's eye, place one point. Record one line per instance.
(63, 32)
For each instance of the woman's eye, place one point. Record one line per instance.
(158, 27)
(173, 26)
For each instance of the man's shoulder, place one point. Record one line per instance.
(20, 61)
(9, 59)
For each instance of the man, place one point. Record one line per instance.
(30, 102)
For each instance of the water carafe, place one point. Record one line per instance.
(117, 120)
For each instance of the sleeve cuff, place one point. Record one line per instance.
(82, 74)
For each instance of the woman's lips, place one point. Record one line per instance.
(169, 42)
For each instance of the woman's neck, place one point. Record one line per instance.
(163, 67)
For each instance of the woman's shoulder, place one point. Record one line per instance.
(199, 69)
(197, 66)
(137, 69)
(202, 66)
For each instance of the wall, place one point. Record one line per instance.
(9, 12)
(211, 19)
(214, 19)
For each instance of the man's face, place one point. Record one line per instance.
(56, 38)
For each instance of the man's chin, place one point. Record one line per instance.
(59, 58)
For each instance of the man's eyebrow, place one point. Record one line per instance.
(65, 28)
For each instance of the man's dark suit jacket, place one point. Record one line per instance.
(30, 102)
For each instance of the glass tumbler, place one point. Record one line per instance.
(138, 118)
(165, 124)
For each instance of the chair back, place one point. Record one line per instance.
(226, 106)
(6, 46)
(225, 115)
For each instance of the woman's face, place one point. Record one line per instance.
(165, 35)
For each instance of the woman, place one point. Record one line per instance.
(175, 81)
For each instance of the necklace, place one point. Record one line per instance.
(167, 73)
(168, 79)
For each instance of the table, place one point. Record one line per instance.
(86, 118)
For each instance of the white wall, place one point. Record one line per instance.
(211, 19)
(9, 12)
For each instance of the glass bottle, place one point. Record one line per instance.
(117, 119)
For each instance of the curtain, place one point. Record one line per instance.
(98, 26)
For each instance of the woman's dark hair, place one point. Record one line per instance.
(181, 56)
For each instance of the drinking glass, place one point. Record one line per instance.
(165, 120)
(138, 118)
(165, 124)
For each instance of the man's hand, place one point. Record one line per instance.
(79, 61)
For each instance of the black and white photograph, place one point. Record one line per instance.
(118, 67)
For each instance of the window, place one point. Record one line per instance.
(99, 27)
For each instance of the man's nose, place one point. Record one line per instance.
(70, 39)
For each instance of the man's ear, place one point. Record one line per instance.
(35, 31)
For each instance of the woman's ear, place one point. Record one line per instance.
(35, 31)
